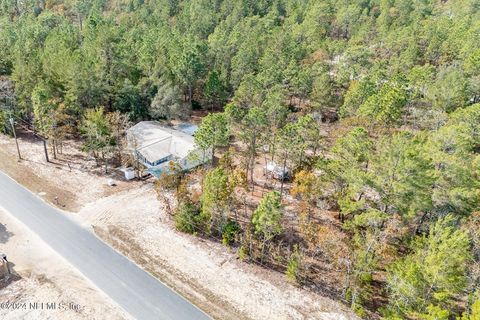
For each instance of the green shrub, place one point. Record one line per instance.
(293, 267)
(229, 232)
(359, 310)
(292, 270)
(243, 253)
(474, 313)
(435, 313)
(475, 310)
(186, 217)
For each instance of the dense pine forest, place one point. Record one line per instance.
(372, 105)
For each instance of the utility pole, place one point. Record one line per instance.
(12, 122)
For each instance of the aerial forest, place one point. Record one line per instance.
(373, 106)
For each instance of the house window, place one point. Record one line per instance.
(158, 162)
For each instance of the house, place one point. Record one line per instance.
(155, 146)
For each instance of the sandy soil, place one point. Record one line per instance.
(208, 269)
(132, 219)
(73, 178)
(42, 276)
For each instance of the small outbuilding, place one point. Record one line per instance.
(129, 173)
(155, 146)
(276, 171)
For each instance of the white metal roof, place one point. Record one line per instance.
(156, 142)
(187, 128)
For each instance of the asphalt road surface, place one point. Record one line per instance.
(135, 290)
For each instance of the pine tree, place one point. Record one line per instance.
(266, 220)
(433, 273)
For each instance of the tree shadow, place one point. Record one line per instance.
(4, 234)
(27, 136)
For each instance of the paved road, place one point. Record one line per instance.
(140, 294)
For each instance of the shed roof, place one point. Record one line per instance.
(187, 128)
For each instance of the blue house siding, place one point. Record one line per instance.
(142, 159)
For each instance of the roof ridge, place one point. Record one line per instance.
(163, 139)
